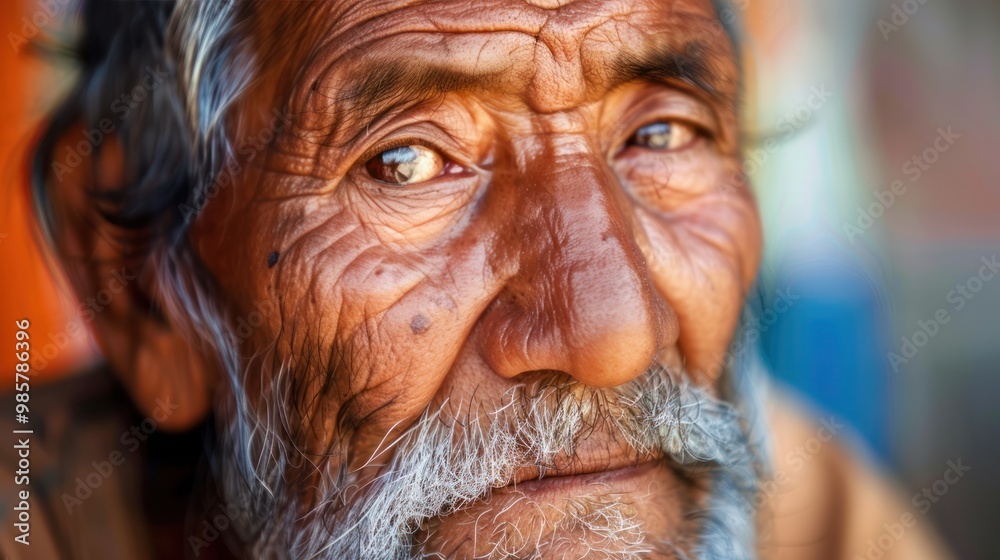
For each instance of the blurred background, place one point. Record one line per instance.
(872, 128)
(881, 200)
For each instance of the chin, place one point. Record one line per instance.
(635, 511)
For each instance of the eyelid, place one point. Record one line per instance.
(649, 104)
(700, 133)
(697, 127)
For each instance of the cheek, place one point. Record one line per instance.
(415, 215)
(360, 320)
(703, 260)
(667, 182)
(370, 330)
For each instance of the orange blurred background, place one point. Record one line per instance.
(28, 288)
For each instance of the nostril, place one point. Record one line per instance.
(536, 380)
(513, 296)
(601, 322)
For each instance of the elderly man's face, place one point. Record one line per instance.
(477, 202)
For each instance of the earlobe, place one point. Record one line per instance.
(169, 380)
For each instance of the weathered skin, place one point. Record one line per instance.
(549, 244)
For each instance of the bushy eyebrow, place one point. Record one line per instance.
(375, 88)
(690, 65)
(382, 86)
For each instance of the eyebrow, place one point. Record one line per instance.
(386, 85)
(383, 86)
(690, 65)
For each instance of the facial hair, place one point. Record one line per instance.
(440, 466)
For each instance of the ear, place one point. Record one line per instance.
(170, 380)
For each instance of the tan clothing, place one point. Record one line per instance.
(823, 502)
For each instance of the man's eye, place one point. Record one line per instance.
(406, 165)
(664, 135)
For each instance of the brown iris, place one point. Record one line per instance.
(663, 135)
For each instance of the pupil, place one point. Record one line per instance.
(406, 165)
(402, 161)
(396, 165)
(656, 135)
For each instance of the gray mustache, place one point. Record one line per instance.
(439, 467)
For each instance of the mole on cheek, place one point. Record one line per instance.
(420, 324)
(272, 259)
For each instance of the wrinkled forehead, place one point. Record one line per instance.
(552, 53)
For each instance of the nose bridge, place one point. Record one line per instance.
(568, 203)
(588, 222)
(581, 300)
(570, 184)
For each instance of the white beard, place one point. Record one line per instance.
(436, 470)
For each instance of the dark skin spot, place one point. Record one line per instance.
(272, 259)
(420, 323)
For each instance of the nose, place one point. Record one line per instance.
(579, 298)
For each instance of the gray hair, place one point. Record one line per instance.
(174, 140)
(198, 47)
